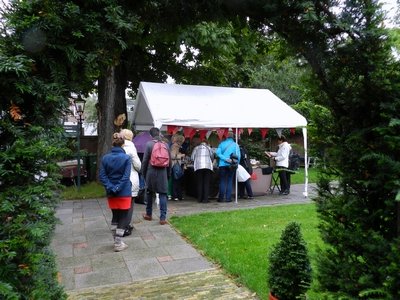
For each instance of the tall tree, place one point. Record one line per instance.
(348, 52)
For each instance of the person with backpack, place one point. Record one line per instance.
(156, 169)
(282, 163)
(114, 174)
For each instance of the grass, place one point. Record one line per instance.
(240, 240)
(298, 177)
(88, 190)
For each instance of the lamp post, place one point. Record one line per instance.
(79, 104)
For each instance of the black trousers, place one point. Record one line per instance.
(284, 178)
(121, 217)
(203, 177)
(177, 188)
(242, 186)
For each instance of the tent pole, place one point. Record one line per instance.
(305, 193)
(236, 181)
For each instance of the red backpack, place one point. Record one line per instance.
(159, 155)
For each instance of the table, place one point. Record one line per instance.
(262, 184)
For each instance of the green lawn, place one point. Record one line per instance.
(240, 240)
(298, 177)
(88, 191)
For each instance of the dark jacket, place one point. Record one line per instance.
(115, 173)
(156, 178)
(245, 160)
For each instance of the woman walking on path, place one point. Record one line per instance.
(115, 176)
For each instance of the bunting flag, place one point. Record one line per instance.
(171, 129)
(187, 131)
(279, 131)
(292, 131)
(192, 133)
(226, 130)
(209, 133)
(220, 133)
(240, 131)
(249, 130)
(176, 129)
(264, 132)
(202, 134)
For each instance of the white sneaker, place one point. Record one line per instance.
(120, 247)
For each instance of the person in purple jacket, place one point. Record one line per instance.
(114, 174)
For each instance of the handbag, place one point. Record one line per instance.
(234, 162)
(242, 174)
(140, 198)
(177, 171)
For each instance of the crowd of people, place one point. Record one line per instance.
(162, 167)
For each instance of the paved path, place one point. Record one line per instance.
(159, 263)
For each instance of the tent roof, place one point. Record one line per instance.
(198, 106)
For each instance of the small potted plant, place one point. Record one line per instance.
(289, 272)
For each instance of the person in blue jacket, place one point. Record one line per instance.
(226, 173)
(114, 174)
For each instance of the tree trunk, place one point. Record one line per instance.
(111, 104)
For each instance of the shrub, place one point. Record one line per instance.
(289, 272)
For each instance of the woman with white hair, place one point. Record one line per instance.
(130, 149)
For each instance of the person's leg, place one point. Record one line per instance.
(119, 244)
(241, 186)
(223, 177)
(170, 188)
(283, 181)
(288, 174)
(163, 207)
(175, 189)
(249, 190)
(199, 184)
(149, 203)
(124, 220)
(179, 188)
(206, 184)
(114, 218)
(229, 184)
(130, 211)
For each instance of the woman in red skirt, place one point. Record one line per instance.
(115, 176)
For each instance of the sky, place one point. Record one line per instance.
(390, 6)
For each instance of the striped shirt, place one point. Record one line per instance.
(202, 157)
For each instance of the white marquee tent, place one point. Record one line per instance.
(210, 107)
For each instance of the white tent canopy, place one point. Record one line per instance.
(198, 106)
(160, 104)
